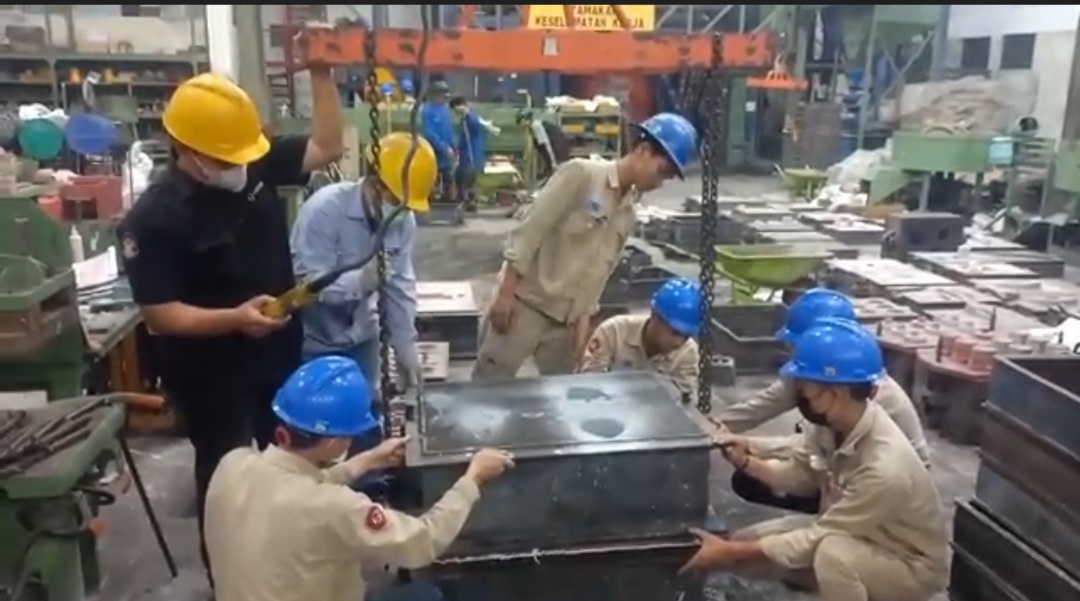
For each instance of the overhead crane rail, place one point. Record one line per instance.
(570, 51)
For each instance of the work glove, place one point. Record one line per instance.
(411, 369)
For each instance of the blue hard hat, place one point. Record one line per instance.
(674, 135)
(386, 89)
(328, 396)
(836, 351)
(406, 86)
(678, 302)
(814, 304)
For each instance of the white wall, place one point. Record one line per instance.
(1055, 29)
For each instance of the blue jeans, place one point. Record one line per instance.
(366, 355)
(414, 591)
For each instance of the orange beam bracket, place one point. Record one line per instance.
(572, 51)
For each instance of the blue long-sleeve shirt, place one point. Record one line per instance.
(472, 143)
(332, 229)
(437, 126)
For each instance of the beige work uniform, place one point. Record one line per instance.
(616, 345)
(563, 251)
(780, 397)
(280, 529)
(881, 535)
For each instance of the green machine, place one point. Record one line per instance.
(53, 460)
(917, 156)
(41, 339)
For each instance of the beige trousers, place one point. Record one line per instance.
(531, 334)
(845, 568)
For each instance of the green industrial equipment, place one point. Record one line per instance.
(916, 156)
(52, 461)
(755, 268)
(41, 339)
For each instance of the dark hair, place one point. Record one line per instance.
(298, 439)
(457, 101)
(861, 392)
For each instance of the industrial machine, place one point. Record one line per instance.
(929, 161)
(566, 501)
(41, 338)
(52, 462)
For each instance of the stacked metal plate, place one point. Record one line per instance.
(611, 471)
(1019, 539)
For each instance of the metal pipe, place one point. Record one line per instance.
(668, 13)
(868, 78)
(711, 25)
(940, 45)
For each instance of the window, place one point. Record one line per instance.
(140, 10)
(975, 53)
(1017, 51)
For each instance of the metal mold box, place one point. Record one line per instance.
(632, 572)
(1022, 567)
(600, 458)
(1026, 517)
(1040, 392)
(447, 312)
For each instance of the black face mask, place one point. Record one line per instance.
(808, 413)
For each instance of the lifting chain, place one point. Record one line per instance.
(386, 384)
(712, 117)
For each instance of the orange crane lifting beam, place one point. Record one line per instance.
(569, 51)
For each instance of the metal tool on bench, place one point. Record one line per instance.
(49, 505)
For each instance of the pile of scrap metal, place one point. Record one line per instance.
(1019, 538)
(25, 444)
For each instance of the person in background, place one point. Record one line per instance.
(408, 91)
(471, 150)
(337, 227)
(782, 396)
(880, 534)
(661, 341)
(206, 246)
(283, 526)
(437, 126)
(560, 256)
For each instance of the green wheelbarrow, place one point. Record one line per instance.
(765, 268)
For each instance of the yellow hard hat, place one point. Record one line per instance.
(213, 116)
(423, 171)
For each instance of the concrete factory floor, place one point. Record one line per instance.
(134, 570)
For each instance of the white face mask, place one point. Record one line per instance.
(233, 179)
(388, 209)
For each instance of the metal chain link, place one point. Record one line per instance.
(386, 384)
(712, 117)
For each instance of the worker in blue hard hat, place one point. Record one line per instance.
(660, 341)
(282, 525)
(437, 126)
(561, 254)
(880, 534)
(782, 396)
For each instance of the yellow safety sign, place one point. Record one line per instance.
(594, 17)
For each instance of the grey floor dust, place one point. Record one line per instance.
(132, 565)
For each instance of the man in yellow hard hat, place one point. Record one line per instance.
(337, 227)
(207, 245)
